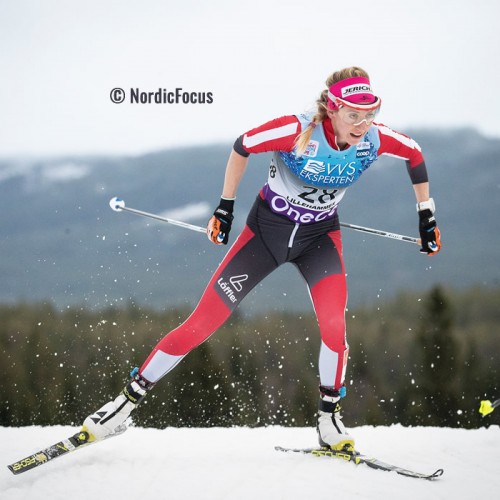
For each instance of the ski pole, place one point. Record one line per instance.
(385, 234)
(487, 407)
(118, 205)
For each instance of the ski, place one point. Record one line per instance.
(73, 443)
(358, 458)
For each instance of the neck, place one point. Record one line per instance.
(331, 136)
(341, 144)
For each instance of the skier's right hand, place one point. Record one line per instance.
(219, 225)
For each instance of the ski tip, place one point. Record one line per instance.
(11, 468)
(28, 463)
(437, 474)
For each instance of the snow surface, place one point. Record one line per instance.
(240, 463)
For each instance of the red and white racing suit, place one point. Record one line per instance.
(294, 219)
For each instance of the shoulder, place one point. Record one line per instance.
(284, 125)
(395, 143)
(389, 135)
(275, 135)
(304, 119)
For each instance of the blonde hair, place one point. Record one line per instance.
(303, 139)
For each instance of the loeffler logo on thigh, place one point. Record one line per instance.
(236, 285)
(237, 281)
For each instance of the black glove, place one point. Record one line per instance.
(429, 233)
(219, 225)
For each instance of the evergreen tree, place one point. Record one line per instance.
(412, 362)
(439, 381)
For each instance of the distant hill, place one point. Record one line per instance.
(62, 243)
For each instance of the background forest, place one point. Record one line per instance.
(418, 359)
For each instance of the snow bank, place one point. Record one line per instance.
(241, 463)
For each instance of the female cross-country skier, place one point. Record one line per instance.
(316, 158)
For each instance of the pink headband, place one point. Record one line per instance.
(353, 92)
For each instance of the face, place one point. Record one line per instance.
(348, 133)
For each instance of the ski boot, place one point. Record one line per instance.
(111, 418)
(331, 430)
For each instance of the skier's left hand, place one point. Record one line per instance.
(429, 233)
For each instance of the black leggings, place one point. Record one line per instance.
(267, 241)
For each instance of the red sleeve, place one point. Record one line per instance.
(394, 143)
(276, 135)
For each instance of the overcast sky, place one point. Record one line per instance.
(434, 64)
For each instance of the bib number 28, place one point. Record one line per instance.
(315, 195)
